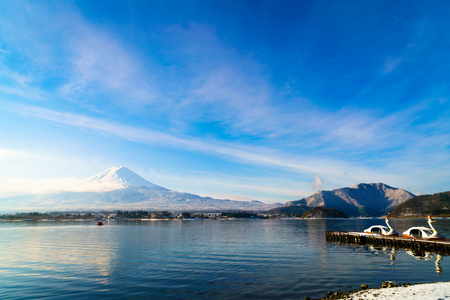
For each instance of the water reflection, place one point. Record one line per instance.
(417, 254)
(392, 256)
(438, 264)
(58, 252)
(427, 256)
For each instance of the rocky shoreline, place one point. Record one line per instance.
(392, 290)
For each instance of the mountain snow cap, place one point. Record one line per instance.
(123, 177)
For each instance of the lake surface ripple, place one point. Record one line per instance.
(260, 259)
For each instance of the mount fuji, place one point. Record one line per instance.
(122, 177)
(121, 188)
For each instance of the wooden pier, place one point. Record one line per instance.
(437, 246)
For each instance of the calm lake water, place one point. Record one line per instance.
(264, 259)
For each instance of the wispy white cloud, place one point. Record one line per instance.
(248, 154)
(231, 97)
(100, 64)
(14, 83)
(11, 186)
(234, 90)
(391, 63)
(219, 83)
(7, 154)
(77, 60)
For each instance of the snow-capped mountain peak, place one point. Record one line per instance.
(122, 177)
(121, 188)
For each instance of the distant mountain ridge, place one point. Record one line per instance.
(121, 188)
(364, 199)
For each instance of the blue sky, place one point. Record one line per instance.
(265, 100)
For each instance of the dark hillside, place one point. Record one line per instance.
(323, 212)
(289, 211)
(420, 206)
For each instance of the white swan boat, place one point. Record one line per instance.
(382, 230)
(423, 232)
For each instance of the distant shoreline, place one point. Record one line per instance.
(193, 219)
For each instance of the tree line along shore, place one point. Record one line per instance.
(124, 215)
